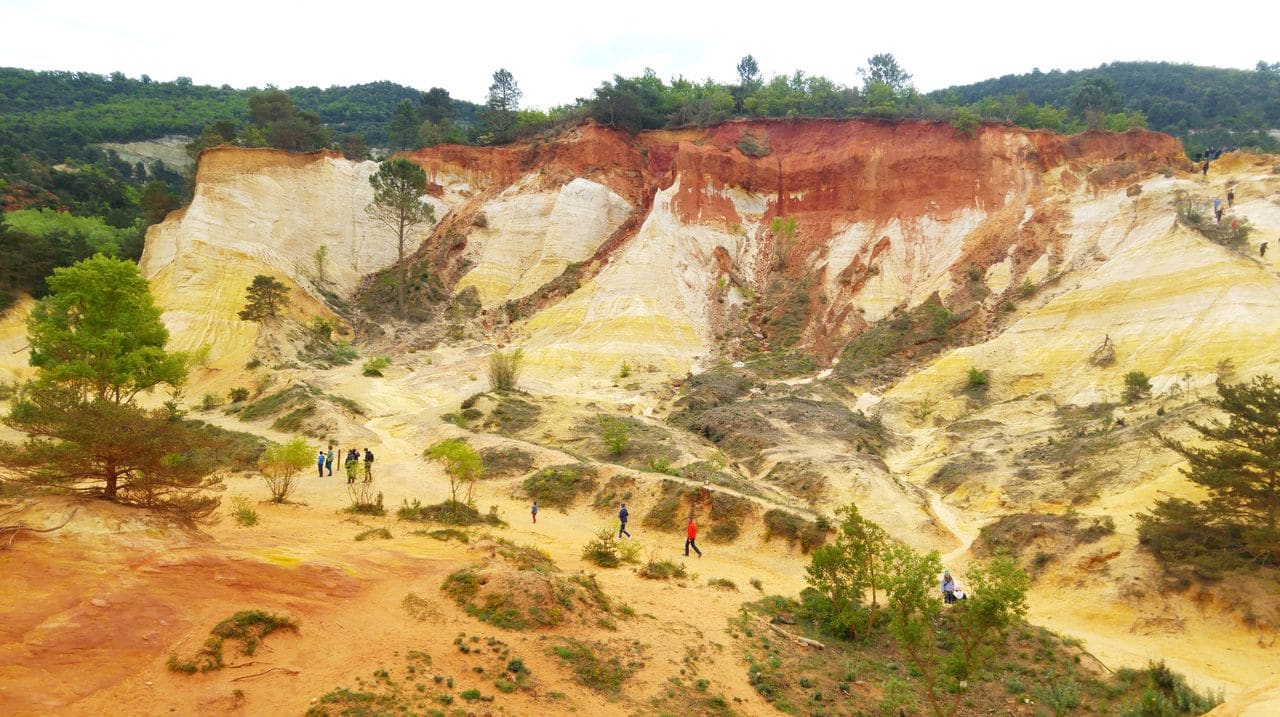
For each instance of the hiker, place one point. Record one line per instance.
(1262, 250)
(691, 535)
(1217, 205)
(1217, 213)
(1204, 168)
(353, 465)
(368, 465)
(328, 459)
(1231, 197)
(320, 463)
(948, 587)
(622, 522)
(534, 511)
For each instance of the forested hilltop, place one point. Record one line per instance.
(56, 115)
(1202, 106)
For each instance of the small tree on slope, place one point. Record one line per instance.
(264, 298)
(98, 342)
(1240, 468)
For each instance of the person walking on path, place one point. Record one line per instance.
(534, 511)
(320, 463)
(948, 587)
(622, 522)
(691, 536)
(1231, 197)
(368, 465)
(328, 460)
(1262, 250)
(1204, 168)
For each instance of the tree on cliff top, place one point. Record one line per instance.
(98, 342)
(398, 186)
(1239, 522)
(500, 114)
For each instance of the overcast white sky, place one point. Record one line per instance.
(559, 51)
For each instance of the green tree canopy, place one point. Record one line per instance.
(99, 333)
(398, 186)
(264, 298)
(500, 113)
(1239, 466)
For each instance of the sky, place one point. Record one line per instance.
(559, 51)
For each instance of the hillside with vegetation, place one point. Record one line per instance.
(1202, 106)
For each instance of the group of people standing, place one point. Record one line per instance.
(324, 462)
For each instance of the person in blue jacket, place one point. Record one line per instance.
(622, 522)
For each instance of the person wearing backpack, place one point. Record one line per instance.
(368, 465)
(353, 465)
(320, 463)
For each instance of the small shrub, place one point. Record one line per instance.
(783, 226)
(449, 512)
(375, 366)
(210, 401)
(662, 570)
(280, 466)
(374, 534)
(795, 529)
(243, 512)
(753, 146)
(602, 549)
(722, 584)
(238, 394)
(1026, 290)
(1061, 696)
(616, 434)
(592, 671)
(1137, 385)
(757, 584)
(625, 370)
(253, 363)
(504, 369)
(629, 551)
(978, 380)
(248, 627)
(560, 486)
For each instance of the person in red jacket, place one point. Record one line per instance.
(691, 536)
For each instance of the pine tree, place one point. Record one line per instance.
(398, 187)
(1240, 469)
(264, 298)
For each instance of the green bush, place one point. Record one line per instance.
(375, 366)
(796, 530)
(662, 570)
(210, 401)
(504, 369)
(1137, 385)
(238, 394)
(560, 486)
(602, 549)
(244, 513)
(978, 380)
(616, 434)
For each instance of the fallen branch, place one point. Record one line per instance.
(285, 670)
(14, 528)
(802, 641)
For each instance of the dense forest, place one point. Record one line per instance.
(51, 125)
(1202, 106)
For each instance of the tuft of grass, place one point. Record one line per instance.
(504, 369)
(722, 584)
(663, 570)
(375, 534)
(604, 675)
(444, 534)
(247, 627)
(977, 380)
(243, 512)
